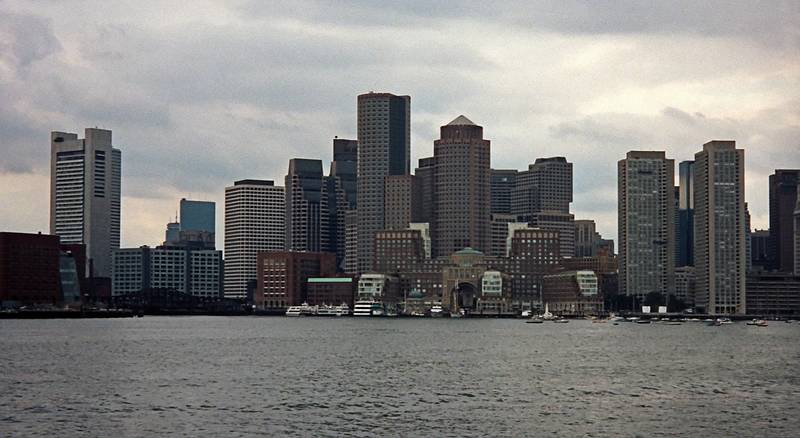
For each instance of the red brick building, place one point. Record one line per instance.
(29, 269)
(283, 276)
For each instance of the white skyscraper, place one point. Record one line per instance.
(719, 228)
(85, 186)
(254, 221)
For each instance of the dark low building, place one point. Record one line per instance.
(773, 294)
(572, 293)
(330, 290)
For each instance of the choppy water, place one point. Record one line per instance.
(228, 376)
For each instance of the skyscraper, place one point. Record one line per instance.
(586, 238)
(719, 228)
(341, 185)
(646, 224)
(198, 215)
(503, 181)
(797, 235)
(426, 182)
(400, 199)
(254, 221)
(384, 148)
(782, 200)
(306, 207)
(685, 236)
(85, 200)
(463, 188)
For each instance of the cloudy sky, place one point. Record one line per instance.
(199, 94)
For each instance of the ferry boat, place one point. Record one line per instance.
(342, 310)
(301, 310)
(368, 308)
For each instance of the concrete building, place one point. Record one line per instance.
(646, 224)
(85, 194)
(384, 148)
(719, 228)
(564, 223)
(331, 291)
(774, 294)
(586, 238)
(572, 293)
(685, 285)
(401, 201)
(381, 288)
(341, 185)
(196, 272)
(306, 207)
(463, 188)
(503, 182)
(783, 186)
(254, 221)
(283, 276)
(545, 186)
(685, 228)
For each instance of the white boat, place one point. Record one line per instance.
(547, 315)
(342, 310)
(301, 310)
(758, 323)
(561, 320)
(293, 311)
(437, 311)
(368, 308)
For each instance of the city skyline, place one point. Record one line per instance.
(591, 96)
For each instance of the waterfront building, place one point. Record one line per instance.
(254, 221)
(384, 148)
(719, 228)
(572, 293)
(398, 250)
(685, 229)
(37, 269)
(283, 276)
(773, 294)
(646, 224)
(85, 194)
(503, 182)
(306, 207)
(381, 288)
(196, 272)
(783, 185)
(331, 291)
(463, 188)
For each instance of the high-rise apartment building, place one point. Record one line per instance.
(254, 221)
(306, 207)
(85, 194)
(503, 181)
(196, 272)
(646, 224)
(685, 235)
(782, 200)
(384, 148)
(719, 228)
(463, 188)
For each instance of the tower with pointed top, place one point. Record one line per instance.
(462, 188)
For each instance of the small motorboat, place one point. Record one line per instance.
(642, 321)
(561, 320)
(534, 320)
(758, 323)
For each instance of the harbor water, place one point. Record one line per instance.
(248, 376)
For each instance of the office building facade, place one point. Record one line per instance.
(783, 186)
(85, 194)
(307, 216)
(255, 212)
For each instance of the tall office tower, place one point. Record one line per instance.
(341, 185)
(747, 243)
(545, 186)
(426, 183)
(400, 202)
(350, 265)
(646, 224)
(782, 200)
(198, 215)
(719, 227)
(384, 148)
(685, 236)
(586, 238)
(85, 185)
(759, 248)
(463, 188)
(503, 181)
(254, 221)
(797, 234)
(499, 233)
(173, 233)
(564, 223)
(306, 207)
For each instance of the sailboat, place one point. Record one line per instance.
(547, 315)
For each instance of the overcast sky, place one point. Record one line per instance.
(201, 94)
